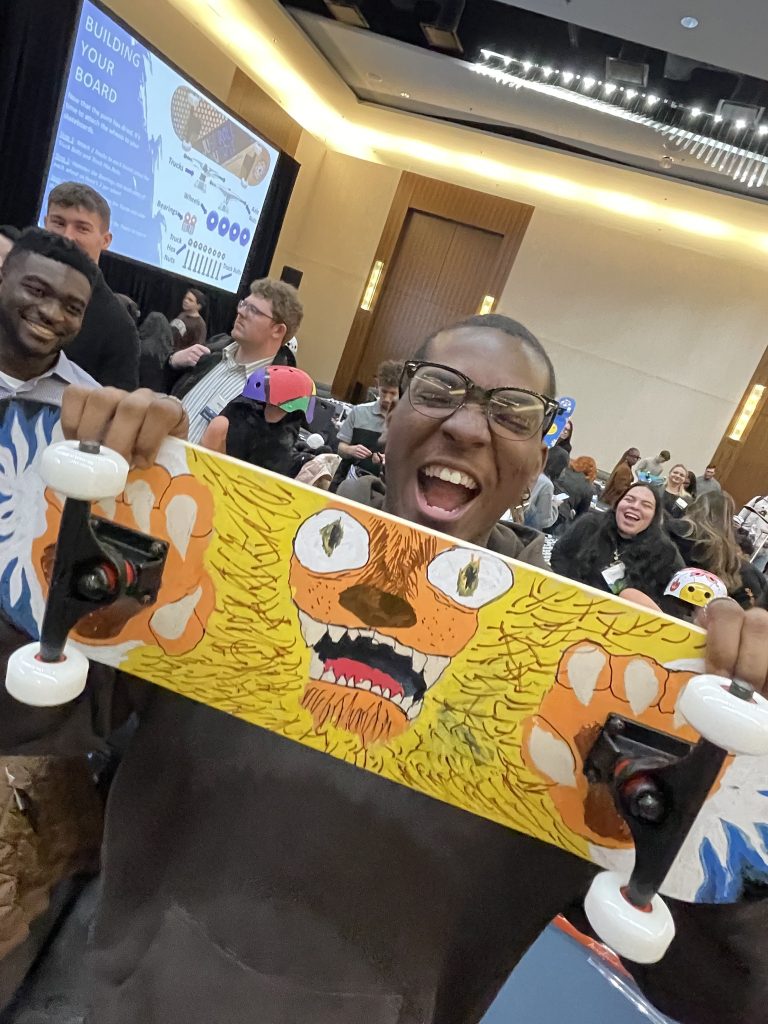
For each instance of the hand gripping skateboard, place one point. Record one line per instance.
(558, 711)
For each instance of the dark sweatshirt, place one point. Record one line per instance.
(107, 346)
(250, 880)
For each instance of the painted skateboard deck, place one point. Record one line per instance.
(443, 667)
(218, 138)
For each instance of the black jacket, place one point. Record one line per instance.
(592, 544)
(107, 346)
(180, 382)
(248, 878)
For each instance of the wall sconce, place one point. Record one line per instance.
(747, 412)
(369, 294)
(486, 305)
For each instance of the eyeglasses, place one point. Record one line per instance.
(249, 310)
(439, 391)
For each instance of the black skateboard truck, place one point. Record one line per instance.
(659, 784)
(97, 563)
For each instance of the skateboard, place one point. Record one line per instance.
(212, 133)
(550, 708)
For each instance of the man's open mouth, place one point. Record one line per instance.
(446, 488)
(365, 659)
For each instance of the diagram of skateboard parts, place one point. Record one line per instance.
(202, 127)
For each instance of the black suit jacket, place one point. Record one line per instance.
(107, 346)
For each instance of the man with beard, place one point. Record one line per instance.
(271, 313)
(45, 290)
(248, 877)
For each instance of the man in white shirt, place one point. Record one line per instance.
(45, 290)
(271, 314)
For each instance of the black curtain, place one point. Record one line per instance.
(35, 40)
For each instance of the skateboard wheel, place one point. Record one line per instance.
(730, 722)
(642, 935)
(88, 476)
(45, 684)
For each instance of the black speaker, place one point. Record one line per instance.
(292, 276)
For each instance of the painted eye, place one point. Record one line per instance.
(471, 579)
(331, 541)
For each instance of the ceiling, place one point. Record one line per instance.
(392, 65)
(730, 33)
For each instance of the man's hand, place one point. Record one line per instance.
(132, 423)
(353, 451)
(188, 357)
(737, 642)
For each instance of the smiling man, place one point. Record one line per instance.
(45, 290)
(248, 878)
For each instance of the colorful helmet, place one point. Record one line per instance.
(287, 387)
(696, 586)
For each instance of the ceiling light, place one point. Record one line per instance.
(567, 77)
(689, 22)
(718, 118)
(589, 82)
(609, 88)
(695, 111)
(631, 93)
(405, 95)
(650, 99)
(546, 71)
(527, 66)
(741, 123)
(763, 129)
(348, 12)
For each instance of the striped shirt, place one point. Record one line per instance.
(216, 389)
(49, 386)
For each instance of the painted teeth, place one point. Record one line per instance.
(419, 661)
(434, 668)
(336, 633)
(451, 476)
(312, 631)
(413, 710)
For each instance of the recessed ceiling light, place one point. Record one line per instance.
(689, 22)
(589, 82)
(405, 95)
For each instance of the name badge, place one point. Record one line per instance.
(682, 503)
(614, 576)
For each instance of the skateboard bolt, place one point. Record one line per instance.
(615, 726)
(94, 584)
(157, 549)
(91, 447)
(649, 806)
(741, 690)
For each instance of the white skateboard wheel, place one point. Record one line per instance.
(88, 476)
(45, 684)
(640, 935)
(736, 725)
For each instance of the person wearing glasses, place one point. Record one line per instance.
(271, 314)
(249, 878)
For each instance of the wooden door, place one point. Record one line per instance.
(444, 248)
(742, 466)
(439, 275)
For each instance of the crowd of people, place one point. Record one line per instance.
(244, 877)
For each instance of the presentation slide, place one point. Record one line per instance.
(185, 180)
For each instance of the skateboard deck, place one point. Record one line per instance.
(209, 131)
(469, 677)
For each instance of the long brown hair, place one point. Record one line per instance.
(709, 520)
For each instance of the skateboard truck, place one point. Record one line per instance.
(659, 784)
(97, 563)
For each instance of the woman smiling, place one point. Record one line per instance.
(621, 549)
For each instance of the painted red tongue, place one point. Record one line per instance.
(443, 494)
(352, 669)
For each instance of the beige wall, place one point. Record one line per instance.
(175, 37)
(332, 227)
(655, 342)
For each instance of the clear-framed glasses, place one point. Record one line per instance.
(438, 391)
(249, 311)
